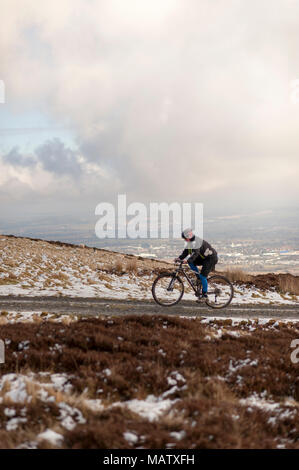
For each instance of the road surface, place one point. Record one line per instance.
(95, 306)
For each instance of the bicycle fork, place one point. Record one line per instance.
(170, 287)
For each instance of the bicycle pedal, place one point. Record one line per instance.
(202, 296)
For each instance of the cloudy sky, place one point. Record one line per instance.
(164, 100)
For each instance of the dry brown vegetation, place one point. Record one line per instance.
(62, 267)
(120, 359)
(284, 283)
(237, 275)
(131, 266)
(289, 283)
(54, 260)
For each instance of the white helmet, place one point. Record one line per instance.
(187, 233)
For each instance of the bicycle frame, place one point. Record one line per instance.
(181, 270)
(219, 287)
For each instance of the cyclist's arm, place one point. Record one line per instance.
(184, 254)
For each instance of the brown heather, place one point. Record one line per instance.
(283, 283)
(141, 353)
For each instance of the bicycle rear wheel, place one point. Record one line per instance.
(168, 289)
(220, 291)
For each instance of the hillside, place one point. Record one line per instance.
(38, 267)
(140, 380)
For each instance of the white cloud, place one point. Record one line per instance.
(168, 98)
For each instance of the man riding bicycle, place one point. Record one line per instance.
(201, 254)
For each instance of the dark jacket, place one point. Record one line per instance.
(198, 247)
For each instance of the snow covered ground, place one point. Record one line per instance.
(133, 287)
(46, 386)
(52, 396)
(38, 268)
(126, 286)
(20, 391)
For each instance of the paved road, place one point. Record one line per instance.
(92, 306)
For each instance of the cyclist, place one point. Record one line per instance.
(201, 254)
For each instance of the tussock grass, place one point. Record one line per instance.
(131, 266)
(7, 281)
(118, 267)
(289, 284)
(236, 274)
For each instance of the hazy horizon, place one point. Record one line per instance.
(261, 242)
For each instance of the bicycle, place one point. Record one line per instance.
(168, 288)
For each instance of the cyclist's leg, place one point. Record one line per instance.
(194, 267)
(207, 266)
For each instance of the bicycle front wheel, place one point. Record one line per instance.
(220, 291)
(168, 289)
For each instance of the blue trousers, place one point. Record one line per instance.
(203, 279)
